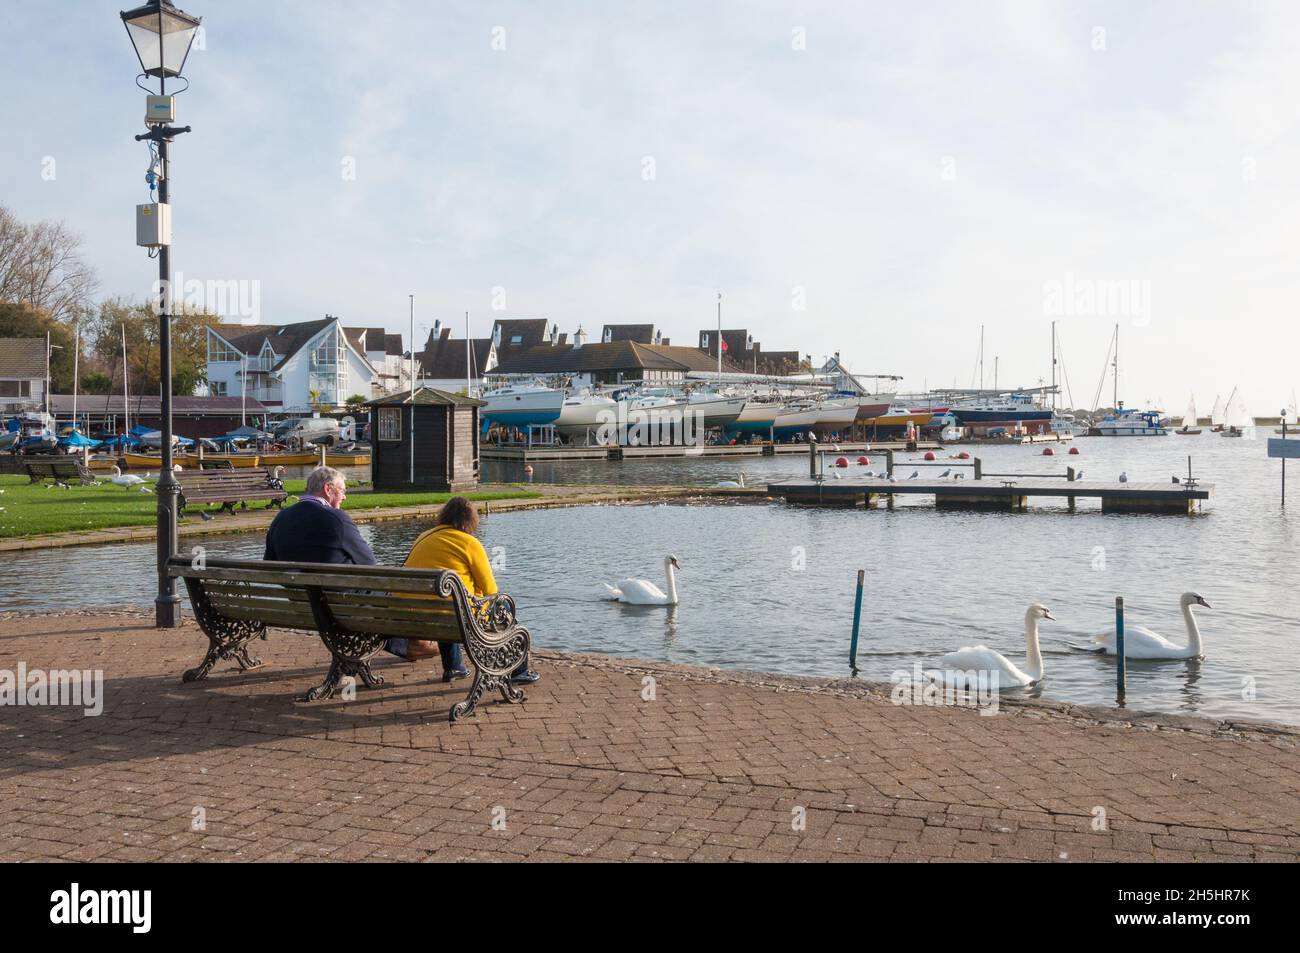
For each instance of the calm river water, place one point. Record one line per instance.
(766, 586)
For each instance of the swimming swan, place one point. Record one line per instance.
(1140, 642)
(643, 592)
(980, 658)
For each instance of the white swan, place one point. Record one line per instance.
(643, 592)
(736, 484)
(127, 480)
(980, 658)
(1140, 642)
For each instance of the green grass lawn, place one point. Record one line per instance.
(27, 510)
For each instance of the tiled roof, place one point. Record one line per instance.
(22, 358)
(61, 404)
(641, 333)
(427, 396)
(532, 331)
(444, 359)
(614, 356)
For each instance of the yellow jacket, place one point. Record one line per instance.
(445, 547)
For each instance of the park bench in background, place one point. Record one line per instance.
(354, 610)
(61, 472)
(220, 463)
(229, 487)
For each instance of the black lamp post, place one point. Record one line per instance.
(162, 36)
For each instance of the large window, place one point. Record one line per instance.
(217, 388)
(328, 368)
(219, 352)
(15, 388)
(390, 423)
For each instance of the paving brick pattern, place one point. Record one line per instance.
(718, 766)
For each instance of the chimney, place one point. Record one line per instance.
(579, 337)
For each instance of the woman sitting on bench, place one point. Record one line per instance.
(451, 544)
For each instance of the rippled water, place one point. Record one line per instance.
(935, 581)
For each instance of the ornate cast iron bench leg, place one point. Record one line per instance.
(496, 645)
(345, 664)
(227, 638)
(350, 652)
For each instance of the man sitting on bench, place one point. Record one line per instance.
(315, 529)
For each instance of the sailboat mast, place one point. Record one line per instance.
(981, 357)
(126, 376)
(719, 335)
(1053, 366)
(468, 391)
(1115, 398)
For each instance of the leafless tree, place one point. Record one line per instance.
(41, 265)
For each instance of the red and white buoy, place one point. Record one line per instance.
(1074, 451)
(929, 455)
(863, 461)
(1049, 452)
(841, 461)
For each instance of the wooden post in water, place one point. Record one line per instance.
(979, 468)
(1069, 477)
(857, 619)
(812, 457)
(1120, 665)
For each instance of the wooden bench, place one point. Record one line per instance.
(354, 610)
(62, 472)
(228, 487)
(218, 464)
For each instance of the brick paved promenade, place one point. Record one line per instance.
(718, 766)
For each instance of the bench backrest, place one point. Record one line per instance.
(239, 476)
(377, 600)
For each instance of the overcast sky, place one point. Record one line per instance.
(876, 178)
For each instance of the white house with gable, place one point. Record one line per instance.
(300, 367)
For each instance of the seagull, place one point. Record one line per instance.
(944, 474)
(915, 474)
(1123, 477)
(836, 475)
(869, 473)
(1078, 476)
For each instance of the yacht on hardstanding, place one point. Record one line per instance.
(833, 415)
(522, 405)
(1003, 410)
(584, 412)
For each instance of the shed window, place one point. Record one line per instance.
(390, 423)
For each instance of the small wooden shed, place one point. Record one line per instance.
(427, 440)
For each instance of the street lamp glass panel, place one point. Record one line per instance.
(161, 35)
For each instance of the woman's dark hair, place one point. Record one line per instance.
(459, 513)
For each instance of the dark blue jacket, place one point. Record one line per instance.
(312, 532)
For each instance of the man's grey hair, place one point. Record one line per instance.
(320, 478)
